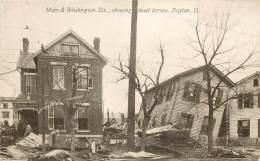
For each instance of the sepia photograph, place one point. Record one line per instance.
(129, 80)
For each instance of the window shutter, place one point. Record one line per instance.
(258, 100)
(190, 123)
(251, 100)
(219, 97)
(240, 101)
(186, 90)
(197, 93)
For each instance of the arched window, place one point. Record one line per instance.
(255, 82)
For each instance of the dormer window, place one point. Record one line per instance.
(255, 83)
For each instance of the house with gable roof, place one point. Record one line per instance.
(180, 103)
(244, 114)
(47, 85)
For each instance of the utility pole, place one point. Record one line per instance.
(43, 103)
(43, 111)
(131, 86)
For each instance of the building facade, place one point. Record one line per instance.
(180, 102)
(64, 74)
(7, 110)
(245, 110)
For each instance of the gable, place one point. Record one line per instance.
(57, 48)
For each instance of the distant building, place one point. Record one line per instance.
(46, 81)
(7, 110)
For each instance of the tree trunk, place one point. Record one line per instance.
(144, 127)
(210, 130)
(72, 147)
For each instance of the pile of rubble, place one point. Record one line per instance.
(227, 153)
(24, 148)
(30, 141)
(114, 131)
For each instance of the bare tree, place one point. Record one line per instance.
(209, 46)
(143, 82)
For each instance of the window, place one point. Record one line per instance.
(246, 100)
(192, 92)
(56, 118)
(70, 49)
(161, 95)
(58, 77)
(185, 121)
(82, 118)
(66, 49)
(255, 83)
(51, 117)
(5, 105)
(205, 125)
(84, 78)
(204, 76)
(163, 120)
(5, 115)
(217, 96)
(243, 128)
(170, 91)
(30, 84)
(74, 49)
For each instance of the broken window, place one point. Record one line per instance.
(84, 78)
(5, 114)
(205, 125)
(243, 128)
(192, 92)
(185, 121)
(246, 100)
(255, 82)
(58, 77)
(30, 83)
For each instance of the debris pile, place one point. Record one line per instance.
(30, 141)
(114, 131)
(8, 135)
(227, 153)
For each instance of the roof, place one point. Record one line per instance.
(78, 37)
(8, 99)
(26, 61)
(220, 74)
(248, 77)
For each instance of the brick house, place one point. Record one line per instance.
(46, 81)
(245, 111)
(178, 97)
(7, 109)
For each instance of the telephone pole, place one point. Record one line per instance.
(131, 86)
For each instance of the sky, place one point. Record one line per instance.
(172, 29)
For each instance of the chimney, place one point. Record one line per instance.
(96, 43)
(25, 45)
